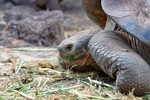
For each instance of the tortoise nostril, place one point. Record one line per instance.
(69, 47)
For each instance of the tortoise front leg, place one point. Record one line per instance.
(120, 62)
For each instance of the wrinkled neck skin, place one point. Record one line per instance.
(110, 24)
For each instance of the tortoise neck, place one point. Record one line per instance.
(110, 24)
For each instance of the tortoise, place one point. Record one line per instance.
(121, 49)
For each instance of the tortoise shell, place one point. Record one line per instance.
(131, 15)
(94, 11)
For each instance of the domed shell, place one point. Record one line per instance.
(131, 15)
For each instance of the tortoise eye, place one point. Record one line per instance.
(69, 47)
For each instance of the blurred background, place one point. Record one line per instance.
(29, 23)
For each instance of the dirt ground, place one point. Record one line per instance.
(34, 73)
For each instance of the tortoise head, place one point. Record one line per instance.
(73, 51)
(95, 12)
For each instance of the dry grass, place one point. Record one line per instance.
(41, 80)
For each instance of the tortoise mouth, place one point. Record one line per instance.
(73, 59)
(77, 59)
(82, 64)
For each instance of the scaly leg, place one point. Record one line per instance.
(120, 62)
